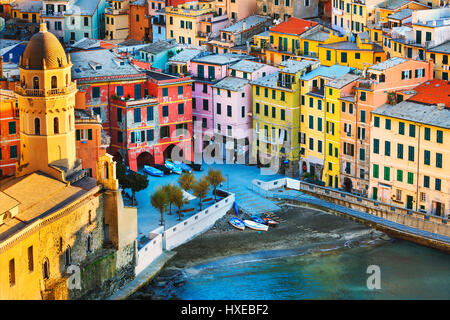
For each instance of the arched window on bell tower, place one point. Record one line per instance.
(56, 125)
(37, 126)
(54, 82)
(36, 83)
(67, 80)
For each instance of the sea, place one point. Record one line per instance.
(397, 270)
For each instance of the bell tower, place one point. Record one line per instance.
(46, 98)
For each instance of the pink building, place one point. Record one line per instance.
(207, 71)
(232, 98)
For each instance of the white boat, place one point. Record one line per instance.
(255, 225)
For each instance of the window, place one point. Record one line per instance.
(375, 171)
(362, 96)
(311, 122)
(229, 111)
(388, 124)
(426, 158)
(376, 122)
(362, 154)
(439, 136)
(95, 92)
(363, 116)
(150, 116)
(400, 151)
(401, 128)
(437, 185)
(439, 160)
(344, 57)
(68, 257)
(165, 111)
(12, 127)
(283, 116)
(181, 108)
(387, 173)
(426, 181)
(137, 114)
(165, 92)
(412, 130)
(205, 105)
(180, 90)
(400, 175)
(376, 146)
(427, 134)
(56, 125)
(86, 21)
(257, 108)
(13, 152)
(411, 153)
(410, 178)
(311, 144)
(46, 269)
(387, 148)
(12, 273)
(30, 259)
(266, 110)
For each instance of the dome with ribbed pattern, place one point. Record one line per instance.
(43, 48)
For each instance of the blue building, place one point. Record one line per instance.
(158, 53)
(85, 19)
(159, 26)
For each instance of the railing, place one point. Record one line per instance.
(45, 92)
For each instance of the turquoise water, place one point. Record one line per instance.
(408, 271)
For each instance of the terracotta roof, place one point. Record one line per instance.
(293, 26)
(433, 92)
(43, 46)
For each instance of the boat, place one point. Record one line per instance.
(255, 225)
(184, 167)
(237, 223)
(172, 166)
(153, 171)
(196, 166)
(163, 168)
(258, 219)
(271, 222)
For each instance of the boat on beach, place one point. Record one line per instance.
(258, 219)
(271, 222)
(172, 166)
(183, 166)
(153, 171)
(255, 225)
(237, 223)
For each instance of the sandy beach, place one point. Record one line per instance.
(299, 228)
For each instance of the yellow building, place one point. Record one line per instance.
(191, 24)
(359, 54)
(440, 55)
(276, 114)
(55, 221)
(320, 124)
(117, 20)
(26, 10)
(408, 157)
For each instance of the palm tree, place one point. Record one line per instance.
(169, 190)
(215, 178)
(179, 200)
(201, 189)
(159, 201)
(186, 181)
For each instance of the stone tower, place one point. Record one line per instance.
(46, 98)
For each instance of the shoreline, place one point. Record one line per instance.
(302, 231)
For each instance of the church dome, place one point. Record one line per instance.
(43, 47)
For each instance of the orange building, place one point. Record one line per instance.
(9, 133)
(140, 21)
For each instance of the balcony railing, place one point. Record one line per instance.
(45, 92)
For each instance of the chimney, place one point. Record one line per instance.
(441, 106)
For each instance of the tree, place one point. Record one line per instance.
(170, 191)
(179, 200)
(121, 174)
(215, 178)
(159, 201)
(136, 182)
(186, 181)
(201, 189)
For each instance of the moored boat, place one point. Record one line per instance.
(237, 223)
(172, 166)
(163, 168)
(255, 226)
(183, 166)
(271, 222)
(153, 171)
(258, 219)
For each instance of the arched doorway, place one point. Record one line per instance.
(145, 158)
(348, 186)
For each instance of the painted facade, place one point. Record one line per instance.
(9, 133)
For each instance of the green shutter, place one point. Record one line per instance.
(387, 173)
(399, 175)
(410, 178)
(375, 171)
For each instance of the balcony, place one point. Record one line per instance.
(45, 92)
(366, 84)
(115, 11)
